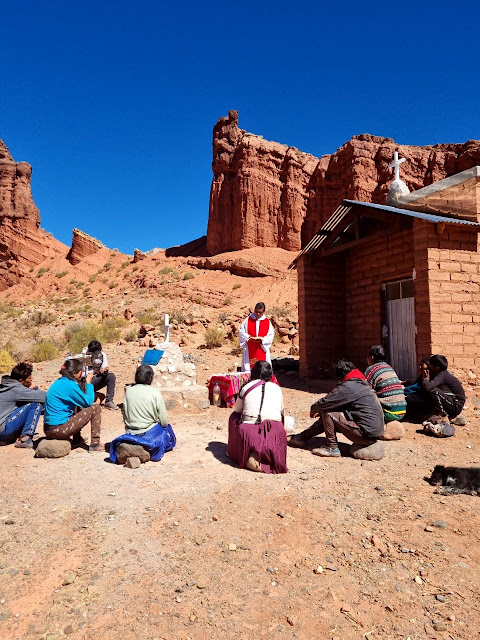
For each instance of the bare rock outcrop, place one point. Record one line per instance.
(23, 244)
(237, 266)
(83, 245)
(139, 255)
(272, 195)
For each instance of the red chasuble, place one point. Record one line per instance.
(255, 351)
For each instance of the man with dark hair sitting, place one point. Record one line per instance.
(386, 384)
(102, 377)
(21, 404)
(352, 408)
(442, 396)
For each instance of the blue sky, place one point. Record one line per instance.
(113, 103)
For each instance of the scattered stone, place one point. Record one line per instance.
(429, 529)
(441, 598)
(68, 630)
(330, 566)
(52, 636)
(270, 570)
(53, 448)
(318, 570)
(400, 588)
(26, 572)
(201, 584)
(463, 565)
(291, 621)
(133, 463)
(439, 524)
(13, 572)
(69, 578)
(215, 518)
(9, 521)
(440, 626)
(405, 550)
(393, 431)
(232, 547)
(280, 514)
(374, 451)
(460, 421)
(126, 450)
(418, 580)
(379, 489)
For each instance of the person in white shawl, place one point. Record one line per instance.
(256, 337)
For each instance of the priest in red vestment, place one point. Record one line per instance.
(256, 336)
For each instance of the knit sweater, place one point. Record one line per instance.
(143, 408)
(387, 386)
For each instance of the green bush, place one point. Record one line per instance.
(79, 334)
(214, 337)
(44, 351)
(6, 361)
(188, 275)
(61, 275)
(93, 277)
(36, 318)
(131, 335)
(237, 285)
(228, 300)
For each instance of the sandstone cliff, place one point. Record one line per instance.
(23, 244)
(271, 195)
(83, 245)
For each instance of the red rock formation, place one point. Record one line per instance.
(139, 255)
(23, 244)
(267, 194)
(83, 245)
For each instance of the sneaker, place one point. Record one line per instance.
(327, 452)
(110, 405)
(24, 443)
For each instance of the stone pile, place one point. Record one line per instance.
(177, 380)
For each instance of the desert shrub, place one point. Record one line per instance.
(199, 300)
(175, 275)
(107, 266)
(149, 316)
(166, 271)
(93, 277)
(237, 285)
(177, 315)
(42, 271)
(135, 268)
(115, 322)
(14, 351)
(6, 361)
(44, 351)
(228, 300)
(276, 337)
(282, 312)
(188, 275)
(112, 285)
(131, 335)
(7, 310)
(32, 269)
(79, 285)
(79, 334)
(73, 281)
(36, 318)
(86, 292)
(142, 290)
(223, 317)
(236, 351)
(61, 275)
(124, 264)
(214, 337)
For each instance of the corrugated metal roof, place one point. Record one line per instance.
(342, 211)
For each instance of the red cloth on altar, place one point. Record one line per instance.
(255, 350)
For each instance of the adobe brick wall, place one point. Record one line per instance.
(448, 263)
(321, 311)
(368, 266)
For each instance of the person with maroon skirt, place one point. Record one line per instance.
(256, 434)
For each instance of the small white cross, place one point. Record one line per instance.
(396, 163)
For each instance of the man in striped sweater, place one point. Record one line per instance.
(386, 385)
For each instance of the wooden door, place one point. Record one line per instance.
(400, 317)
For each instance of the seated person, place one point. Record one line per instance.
(384, 381)
(413, 386)
(441, 396)
(69, 407)
(102, 376)
(21, 404)
(352, 408)
(146, 419)
(256, 435)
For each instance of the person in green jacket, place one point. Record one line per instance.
(69, 407)
(143, 405)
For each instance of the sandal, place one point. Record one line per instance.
(24, 442)
(92, 448)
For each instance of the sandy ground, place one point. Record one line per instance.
(194, 548)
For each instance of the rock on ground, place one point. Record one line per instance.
(53, 448)
(126, 450)
(393, 431)
(374, 451)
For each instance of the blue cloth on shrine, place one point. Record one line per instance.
(152, 357)
(156, 441)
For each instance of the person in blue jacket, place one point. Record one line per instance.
(64, 397)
